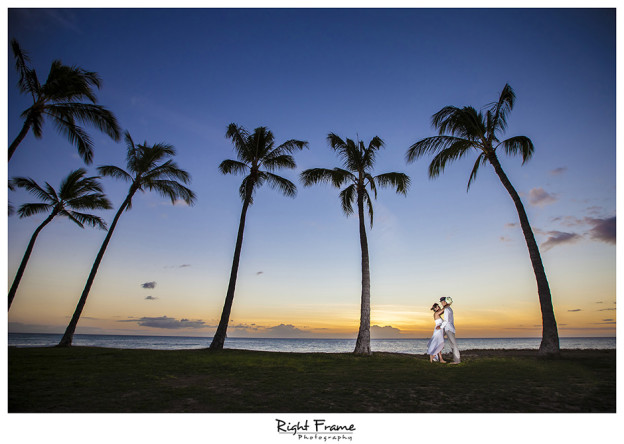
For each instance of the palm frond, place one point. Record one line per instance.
(278, 162)
(168, 170)
(94, 201)
(66, 126)
(369, 204)
(501, 108)
(86, 113)
(431, 145)
(288, 147)
(28, 82)
(114, 172)
(33, 188)
(347, 198)
(371, 183)
(279, 183)
(233, 167)
(172, 189)
(519, 145)
(83, 219)
(399, 181)
(481, 160)
(27, 210)
(316, 175)
(248, 187)
(70, 83)
(239, 136)
(454, 152)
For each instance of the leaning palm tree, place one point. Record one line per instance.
(75, 194)
(61, 99)
(147, 171)
(257, 158)
(464, 130)
(358, 162)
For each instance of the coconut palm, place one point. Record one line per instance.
(75, 194)
(257, 158)
(358, 162)
(148, 170)
(465, 130)
(61, 99)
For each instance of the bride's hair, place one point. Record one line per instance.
(435, 307)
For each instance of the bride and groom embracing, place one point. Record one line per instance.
(442, 327)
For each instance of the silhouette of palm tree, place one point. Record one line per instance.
(254, 152)
(463, 131)
(75, 194)
(60, 99)
(145, 173)
(358, 162)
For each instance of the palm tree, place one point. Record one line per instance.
(464, 130)
(76, 192)
(60, 98)
(254, 151)
(358, 162)
(146, 172)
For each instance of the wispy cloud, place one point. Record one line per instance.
(539, 197)
(559, 238)
(149, 285)
(167, 322)
(576, 309)
(558, 171)
(151, 298)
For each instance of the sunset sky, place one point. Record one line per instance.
(180, 76)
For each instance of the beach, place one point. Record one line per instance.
(105, 380)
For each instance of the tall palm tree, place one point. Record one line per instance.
(257, 158)
(76, 192)
(61, 99)
(358, 162)
(464, 130)
(147, 171)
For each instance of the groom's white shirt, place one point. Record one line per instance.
(448, 323)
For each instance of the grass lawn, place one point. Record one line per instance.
(85, 379)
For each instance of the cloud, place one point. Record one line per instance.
(559, 238)
(149, 285)
(603, 229)
(177, 266)
(607, 309)
(387, 332)
(259, 273)
(558, 171)
(284, 331)
(504, 239)
(151, 298)
(167, 323)
(538, 197)
(576, 309)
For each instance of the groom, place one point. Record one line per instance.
(449, 327)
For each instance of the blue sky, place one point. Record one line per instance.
(182, 75)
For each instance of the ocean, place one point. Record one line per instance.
(411, 346)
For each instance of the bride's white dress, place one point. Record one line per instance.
(436, 343)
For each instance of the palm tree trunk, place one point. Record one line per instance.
(68, 337)
(362, 345)
(19, 138)
(219, 338)
(550, 337)
(22, 267)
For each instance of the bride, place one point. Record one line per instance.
(436, 343)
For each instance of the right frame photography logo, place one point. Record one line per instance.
(316, 430)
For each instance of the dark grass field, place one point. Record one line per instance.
(84, 379)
